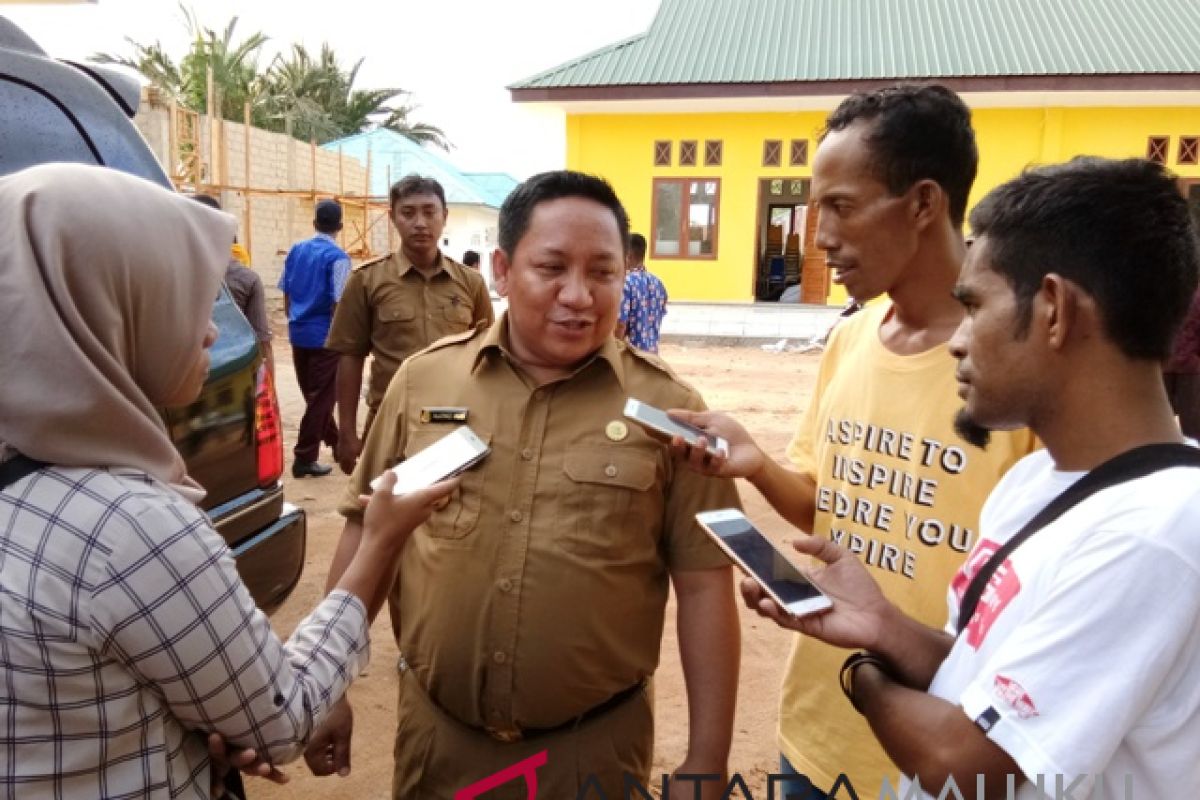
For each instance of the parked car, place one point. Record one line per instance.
(231, 437)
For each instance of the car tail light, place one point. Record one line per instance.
(268, 433)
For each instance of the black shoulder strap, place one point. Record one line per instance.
(17, 468)
(1135, 463)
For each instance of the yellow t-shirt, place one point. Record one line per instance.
(897, 486)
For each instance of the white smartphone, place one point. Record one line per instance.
(754, 554)
(657, 420)
(453, 453)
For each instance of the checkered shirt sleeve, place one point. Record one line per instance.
(126, 635)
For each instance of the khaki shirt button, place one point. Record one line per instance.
(611, 471)
(506, 585)
(516, 516)
(499, 657)
(527, 454)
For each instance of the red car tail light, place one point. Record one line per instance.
(268, 433)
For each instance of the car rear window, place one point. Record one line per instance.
(35, 130)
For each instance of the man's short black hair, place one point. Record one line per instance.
(518, 207)
(1119, 230)
(920, 132)
(637, 246)
(415, 184)
(470, 259)
(207, 200)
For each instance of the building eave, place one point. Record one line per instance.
(962, 85)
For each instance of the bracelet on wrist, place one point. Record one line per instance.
(850, 666)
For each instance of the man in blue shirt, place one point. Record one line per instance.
(645, 302)
(313, 278)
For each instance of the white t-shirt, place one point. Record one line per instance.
(1082, 660)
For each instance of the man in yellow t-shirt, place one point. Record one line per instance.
(879, 467)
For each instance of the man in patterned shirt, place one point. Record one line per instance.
(645, 302)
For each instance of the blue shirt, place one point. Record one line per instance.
(314, 275)
(643, 308)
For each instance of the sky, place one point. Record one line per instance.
(454, 56)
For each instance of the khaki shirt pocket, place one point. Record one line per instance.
(458, 316)
(460, 516)
(612, 504)
(397, 313)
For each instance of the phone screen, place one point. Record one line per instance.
(661, 419)
(762, 559)
(442, 459)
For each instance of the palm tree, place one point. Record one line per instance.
(316, 98)
(306, 97)
(234, 67)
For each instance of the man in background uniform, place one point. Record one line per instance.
(398, 304)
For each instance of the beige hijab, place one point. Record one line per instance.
(107, 285)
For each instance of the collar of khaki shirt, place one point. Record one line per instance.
(495, 343)
(404, 264)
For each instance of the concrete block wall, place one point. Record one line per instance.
(278, 165)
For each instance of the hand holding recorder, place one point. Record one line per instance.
(773, 576)
(861, 617)
(741, 458)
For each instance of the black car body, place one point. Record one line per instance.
(231, 437)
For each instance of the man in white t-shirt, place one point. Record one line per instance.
(1078, 671)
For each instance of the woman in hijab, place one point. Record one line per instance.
(126, 636)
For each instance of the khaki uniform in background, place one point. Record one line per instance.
(538, 593)
(390, 310)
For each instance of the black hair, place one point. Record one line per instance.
(207, 200)
(415, 184)
(470, 259)
(920, 132)
(518, 206)
(637, 245)
(1119, 230)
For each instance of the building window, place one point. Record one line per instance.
(772, 153)
(662, 153)
(712, 152)
(799, 155)
(687, 153)
(1156, 149)
(1189, 149)
(685, 218)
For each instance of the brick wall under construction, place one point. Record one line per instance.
(286, 177)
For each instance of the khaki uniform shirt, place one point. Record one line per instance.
(390, 310)
(539, 591)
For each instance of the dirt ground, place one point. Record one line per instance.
(764, 390)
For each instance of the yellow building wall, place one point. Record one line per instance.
(620, 147)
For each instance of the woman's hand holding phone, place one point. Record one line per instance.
(390, 518)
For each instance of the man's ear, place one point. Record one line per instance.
(1056, 307)
(500, 271)
(928, 202)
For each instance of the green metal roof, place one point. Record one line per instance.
(782, 41)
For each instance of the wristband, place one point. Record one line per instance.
(846, 677)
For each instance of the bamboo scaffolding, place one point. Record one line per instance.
(196, 173)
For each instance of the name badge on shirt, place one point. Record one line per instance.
(443, 414)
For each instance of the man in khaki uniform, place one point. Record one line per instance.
(531, 606)
(396, 305)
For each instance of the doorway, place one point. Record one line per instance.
(782, 230)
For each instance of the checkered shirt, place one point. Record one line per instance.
(126, 636)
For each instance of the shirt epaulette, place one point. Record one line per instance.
(372, 261)
(454, 338)
(653, 360)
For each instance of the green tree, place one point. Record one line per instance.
(234, 67)
(315, 98)
(305, 96)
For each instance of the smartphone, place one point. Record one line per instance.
(658, 421)
(453, 453)
(754, 554)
